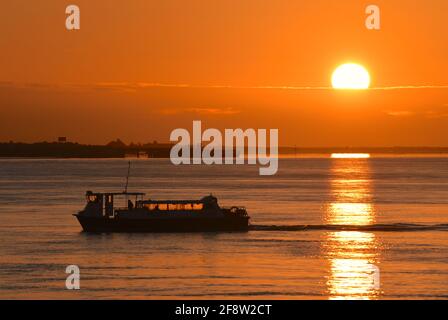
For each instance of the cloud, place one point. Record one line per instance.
(135, 86)
(435, 114)
(198, 86)
(411, 87)
(27, 85)
(142, 85)
(201, 111)
(430, 114)
(400, 113)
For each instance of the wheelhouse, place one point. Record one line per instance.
(104, 203)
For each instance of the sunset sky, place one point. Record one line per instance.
(138, 69)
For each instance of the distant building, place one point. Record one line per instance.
(62, 139)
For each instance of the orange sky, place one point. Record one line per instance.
(97, 84)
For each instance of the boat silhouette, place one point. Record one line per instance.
(140, 215)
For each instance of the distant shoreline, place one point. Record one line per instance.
(119, 150)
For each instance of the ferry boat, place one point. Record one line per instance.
(139, 215)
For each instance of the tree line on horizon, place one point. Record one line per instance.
(118, 149)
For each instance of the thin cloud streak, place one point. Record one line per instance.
(411, 87)
(194, 86)
(201, 110)
(131, 87)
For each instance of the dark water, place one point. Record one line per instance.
(322, 228)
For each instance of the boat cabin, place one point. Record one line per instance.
(103, 204)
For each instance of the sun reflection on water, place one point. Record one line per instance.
(352, 255)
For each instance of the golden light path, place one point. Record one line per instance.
(350, 155)
(352, 255)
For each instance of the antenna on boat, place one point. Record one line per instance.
(127, 177)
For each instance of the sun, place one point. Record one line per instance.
(350, 76)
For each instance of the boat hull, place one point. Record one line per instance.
(206, 224)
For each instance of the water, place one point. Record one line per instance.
(321, 229)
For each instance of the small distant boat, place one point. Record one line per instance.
(139, 215)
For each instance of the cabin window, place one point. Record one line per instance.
(156, 206)
(174, 206)
(150, 206)
(163, 206)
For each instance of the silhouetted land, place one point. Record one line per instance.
(118, 149)
(115, 149)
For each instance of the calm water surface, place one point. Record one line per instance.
(377, 229)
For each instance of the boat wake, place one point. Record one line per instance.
(396, 227)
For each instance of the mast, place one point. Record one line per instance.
(127, 177)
